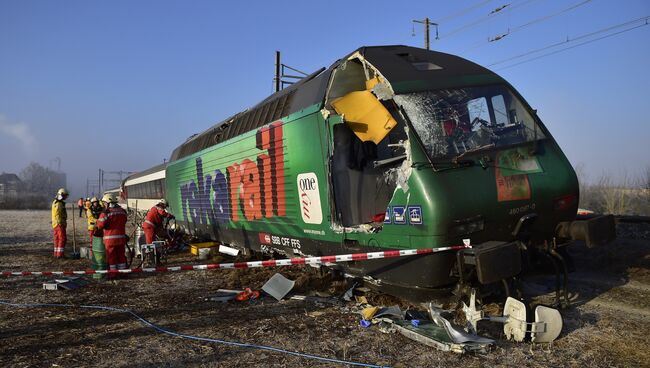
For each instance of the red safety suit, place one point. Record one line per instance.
(154, 220)
(113, 223)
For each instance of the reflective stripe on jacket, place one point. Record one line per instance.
(59, 214)
(113, 222)
(155, 216)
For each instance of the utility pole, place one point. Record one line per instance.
(277, 71)
(280, 76)
(427, 23)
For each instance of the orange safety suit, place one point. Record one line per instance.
(113, 223)
(154, 220)
(59, 223)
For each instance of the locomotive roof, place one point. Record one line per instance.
(407, 69)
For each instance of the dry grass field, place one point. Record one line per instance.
(608, 324)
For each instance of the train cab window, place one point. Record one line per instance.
(452, 121)
(500, 110)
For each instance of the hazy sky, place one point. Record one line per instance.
(118, 85)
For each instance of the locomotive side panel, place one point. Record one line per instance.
(265, 189)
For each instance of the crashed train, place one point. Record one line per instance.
(391, 147)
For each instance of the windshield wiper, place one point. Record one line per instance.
(476, 149)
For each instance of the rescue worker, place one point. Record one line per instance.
(80, 205)
(92, 214)
(154, 219)
(87, 205)
(113, 223)
(59, 222)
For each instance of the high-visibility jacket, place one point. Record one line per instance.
(155, 217)
(91, 216)
(113, 222)
(59, 214)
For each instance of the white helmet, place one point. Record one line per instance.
(62, 192)
(163, 202)
(109, 198)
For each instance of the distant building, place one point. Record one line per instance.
(10, 187)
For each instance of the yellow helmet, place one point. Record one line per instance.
(94, 199)
(109, 198)
(62, 192)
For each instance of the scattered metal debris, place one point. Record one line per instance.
(278, 286)
(68, 283)
(546, 327)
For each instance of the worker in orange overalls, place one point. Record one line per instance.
(113, 223)
(154, 219)
(59, 222)
(92, 214)
(80, 205)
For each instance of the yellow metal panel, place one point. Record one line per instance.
(365, 115)
(370, 83)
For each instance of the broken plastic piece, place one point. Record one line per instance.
(392, 311)
(365, 323)
(471, 313)
(456, 335)
(369, 313)
(247, 294)
(365, 115)
(278, 286)
(547, 326)
(515, 326)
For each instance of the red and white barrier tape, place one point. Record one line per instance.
(254, 264)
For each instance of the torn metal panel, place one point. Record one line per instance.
(436, 336)
(365, 115)
(355, 92)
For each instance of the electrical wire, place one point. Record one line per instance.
(568, 40)
(189, 337)
(527, 24)
(462, 12)
(574, 46)
(493, 14)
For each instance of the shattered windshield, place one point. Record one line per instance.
(453, 121)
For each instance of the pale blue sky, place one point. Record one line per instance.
(78, 77)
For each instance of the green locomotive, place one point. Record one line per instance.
(391, 147)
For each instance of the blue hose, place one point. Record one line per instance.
(190, 337)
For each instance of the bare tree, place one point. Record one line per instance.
(40, 180)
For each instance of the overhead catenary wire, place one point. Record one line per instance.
(493, 14)
(578, 38)
(462, 11)
(189, 337)
(574, 46)
(527, 24)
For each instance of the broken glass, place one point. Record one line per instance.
(450, 122)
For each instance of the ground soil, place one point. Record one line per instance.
(606, 325)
